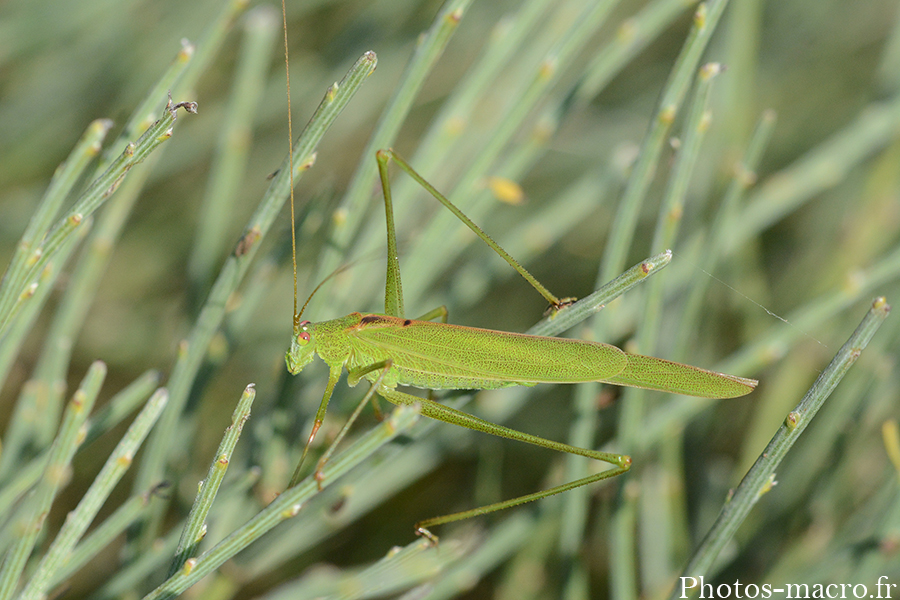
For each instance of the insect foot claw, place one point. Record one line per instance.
(430, 537)
(563, 303)
(319, 477)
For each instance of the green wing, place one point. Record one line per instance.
(654, 373)
(440, 356)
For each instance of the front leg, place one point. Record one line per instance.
(333, 376)
(384, 366)
(354, 376)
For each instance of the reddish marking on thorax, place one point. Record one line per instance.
(370, 319)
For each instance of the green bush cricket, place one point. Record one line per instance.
(390, 350)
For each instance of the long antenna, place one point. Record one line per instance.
(340, 269)
(287, 73)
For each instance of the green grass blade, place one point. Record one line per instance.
(78, 520)
(285, 507)
(13, 294)
(100, 538)
(60, 186)
(227, 173)
(185, 370)
(195, 528)
(32, 515)
(761, 476)
(111, 414)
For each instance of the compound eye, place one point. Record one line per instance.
(303, 323)
(303, 337)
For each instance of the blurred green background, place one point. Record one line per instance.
(811, 238)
